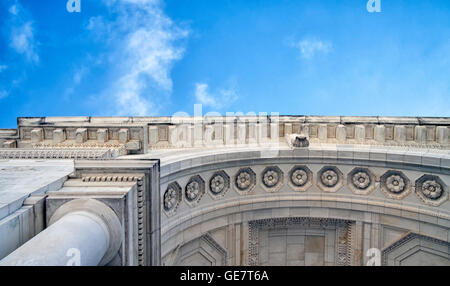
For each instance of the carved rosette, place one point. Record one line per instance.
(219, 184)
(244, 180)
(361, 181)
(431, 190)
(194, 190)
(272, 179)
(300, 178)
(330, 179)
(172, 198)
(395, 185)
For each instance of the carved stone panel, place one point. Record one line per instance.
(299, 241)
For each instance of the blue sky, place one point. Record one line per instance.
(150, 57)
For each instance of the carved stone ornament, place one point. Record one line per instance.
(245, 180)
(172, 197)
(431, 189)
(217, 184)
(297, 141)
(361, 180)
(299, 177)
(329, 178)
(271, 177)
(192, 190)
(395, 184)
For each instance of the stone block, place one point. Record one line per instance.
(380, 133)
(400, 133)
(360, 133)
(81, 135)
(10, 144)
(341, 133)
(124, 136)
(323, 132)
(442, 133)
(37, 135)
(420, 134)
(59, 136)
(102, 135)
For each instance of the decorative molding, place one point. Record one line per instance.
(405, 239)
(99, 154)
(111, 178)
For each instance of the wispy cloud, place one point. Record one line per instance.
(3, 93)
(309, 48)
(147, 47)
(22, 38)
(3, 67)
(221, 98)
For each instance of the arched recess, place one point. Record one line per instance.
(376, 214)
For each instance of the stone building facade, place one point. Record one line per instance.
(248, 190)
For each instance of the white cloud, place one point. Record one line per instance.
(22, 38)
(310, 47)
(14, 10)
(3, 93)
(146, 41)
(223, 97)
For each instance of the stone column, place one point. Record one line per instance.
(83, 232)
